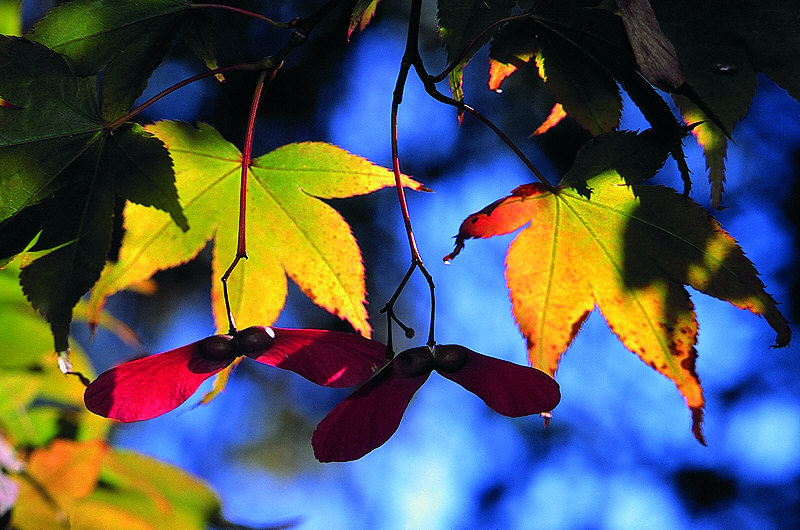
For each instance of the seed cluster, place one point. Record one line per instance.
(249, 341)
(421, 360)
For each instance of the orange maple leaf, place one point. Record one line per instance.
(629, 250)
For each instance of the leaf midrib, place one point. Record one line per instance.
(116, 28)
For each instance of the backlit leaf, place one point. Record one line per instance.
(37, 401)
(89, 485)
(627, 250)
(11, 17)
(498, 71)
(557, 114)
(290, 231)
(362, 13)
(125, 38)
(715, 147)
(455, 80)
(62, 474)
(69, 469)
(152, 493)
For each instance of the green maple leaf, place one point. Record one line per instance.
(460, 21)
(61, 169)
(628, 250)
(36, 400)
(10, 18)
(290, 231)
(126, 39)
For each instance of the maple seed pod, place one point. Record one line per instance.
(217, 348)
(449, 357)
(255, 339)
(415, 361)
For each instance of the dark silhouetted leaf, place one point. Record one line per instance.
(722, 46)
(635, 157)
(460, 21)
(57, 156)
(56, 119)
(126, 39)
(586, 92)
(579, 53)
(654, 53)
(196, 31)
(78, 230)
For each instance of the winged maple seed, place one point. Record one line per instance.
(372, 414)
(148, 387)
(628, 250)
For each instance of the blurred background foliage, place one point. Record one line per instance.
(618, 452)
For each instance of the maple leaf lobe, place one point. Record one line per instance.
(486, 223)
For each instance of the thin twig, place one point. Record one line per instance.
(401, 196)
(268, 68)
(431, 89)
(247, 152)
(388, 308)
(279, 25)
(127, 117)
(410, 57)
(308, 23)
(302, 28)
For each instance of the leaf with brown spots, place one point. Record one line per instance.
(628, 249)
